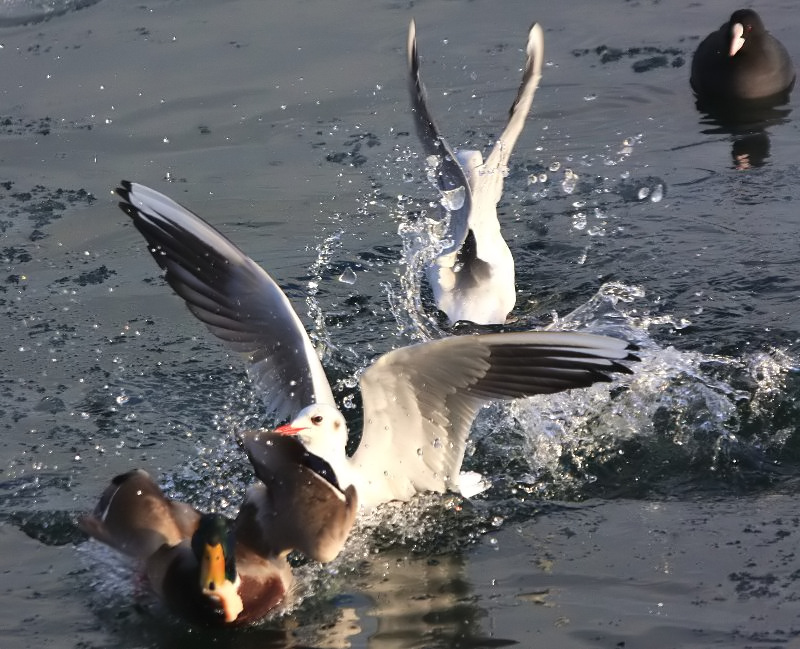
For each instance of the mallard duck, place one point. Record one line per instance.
(211, 570)
(473, 276)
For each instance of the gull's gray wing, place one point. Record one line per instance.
(497, 162)
(234, 297)
(428, 394)
(450, 175)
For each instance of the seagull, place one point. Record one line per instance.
(214, 571)
(473, 277)
(419, 401)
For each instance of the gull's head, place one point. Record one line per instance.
(321, 428)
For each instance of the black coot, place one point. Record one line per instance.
(741, 61)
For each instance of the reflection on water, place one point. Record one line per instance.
(750, 150)
(748, 125)
(411, 601)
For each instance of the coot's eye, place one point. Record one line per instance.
(316, 420)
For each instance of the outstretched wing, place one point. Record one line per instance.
(496, 165)
(234, 297)
(428, 394)
(450, 176)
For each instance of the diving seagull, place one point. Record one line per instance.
(473, 277)
(419, 401)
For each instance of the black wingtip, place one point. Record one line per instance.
(124, 190)
(632, 356)
(129, 209)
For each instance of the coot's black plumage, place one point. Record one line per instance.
(741, 61)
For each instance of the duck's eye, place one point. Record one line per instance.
(316, 420)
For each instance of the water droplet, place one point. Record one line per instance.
(348, 276)
(554, 166)
(419, 452)
(453, 199)
(657, 194)
(497, 521)
(570, 181)
(644, 192)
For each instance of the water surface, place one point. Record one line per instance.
(655, 512)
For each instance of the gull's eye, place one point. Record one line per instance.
(316, 420)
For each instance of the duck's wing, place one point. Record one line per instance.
(136, 518)
(451, 178)
(234, 297)
(428, 394)
(299, 506)
(496, 164)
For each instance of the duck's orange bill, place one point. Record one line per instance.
(212, 567)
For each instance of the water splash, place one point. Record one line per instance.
(684, 408)
(320, 336)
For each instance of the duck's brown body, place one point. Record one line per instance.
(136, 518)
(296, 505)
(263, 585)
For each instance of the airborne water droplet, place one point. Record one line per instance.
(657, 193)
(570, 181)
(453, 199)
(348, 276)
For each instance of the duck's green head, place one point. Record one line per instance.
(213, 544)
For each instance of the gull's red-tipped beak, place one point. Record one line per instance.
(288, 429)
